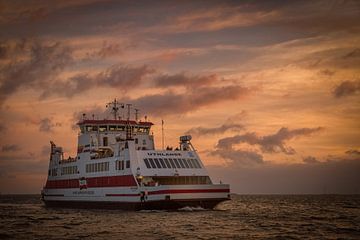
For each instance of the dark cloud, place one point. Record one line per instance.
(47, 125)
(346, 88)
(216, 130)
(229, 125)
(2, 128)
(310, 160)
(74, 85)
(109, 50)
(123, 76)
(238, 157)
(353, 54)
(118, 76)
(183, 79)
(41, 64)
(327, 72)
(169, 103)
(273, 143)
(328, 177)
(353, 152)
(10, 148)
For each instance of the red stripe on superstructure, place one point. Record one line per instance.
(106, 121)
(175, 191)
(172, 191)
(94, 182)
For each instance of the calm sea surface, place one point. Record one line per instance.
(244, 217)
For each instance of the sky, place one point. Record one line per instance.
(269, 90)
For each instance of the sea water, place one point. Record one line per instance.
(244, 217)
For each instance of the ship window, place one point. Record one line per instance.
(147, 163)
(185, 163)
(162, 162)
(176, 163)
(144, 142)
(157, 162)
(172, 163)
(102, 128)
(189, 162)
(152, 163)
(136, 141)
(120, 128)
(146, 130)
(195, 163)
(82, 129)
(128, 164)
(112, 128)
(105, 141)
(95, 128)
(167, 162)
(181, 163)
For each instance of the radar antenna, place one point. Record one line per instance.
(114, 105)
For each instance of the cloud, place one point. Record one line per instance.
(273, 143)
(353, 152)
(229, 125)
(169, 103)
(328, 177)
(123, 76)
(310, 160)
(216, 130)
(108, 50)
(10, 148)
(353, 54)
(41, 63)
(346, 88)
(47, 125)
(242, 157)
(183, 79)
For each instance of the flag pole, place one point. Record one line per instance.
(162, 133)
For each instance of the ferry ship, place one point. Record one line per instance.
(118, 167)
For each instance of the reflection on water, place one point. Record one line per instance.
(244, 217)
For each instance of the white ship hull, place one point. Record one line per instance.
(130, 198)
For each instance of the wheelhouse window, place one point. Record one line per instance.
(103, 128)
(147, 163)
(152, 163)
(112, 128)
(172, 163)
(120, 128)
(181, 163)
(185, 163)
(157, 163)
(162, 163)
(177, 163)
(167, 162)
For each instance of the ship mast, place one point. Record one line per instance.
(114, 105)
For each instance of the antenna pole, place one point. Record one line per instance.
(162, 133)
(115, 107)
(136, 114)
(128, 111)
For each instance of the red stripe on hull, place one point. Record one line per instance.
(94, 182)
(175, 191)
(122, 195)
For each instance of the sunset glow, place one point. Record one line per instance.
(270, 91)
